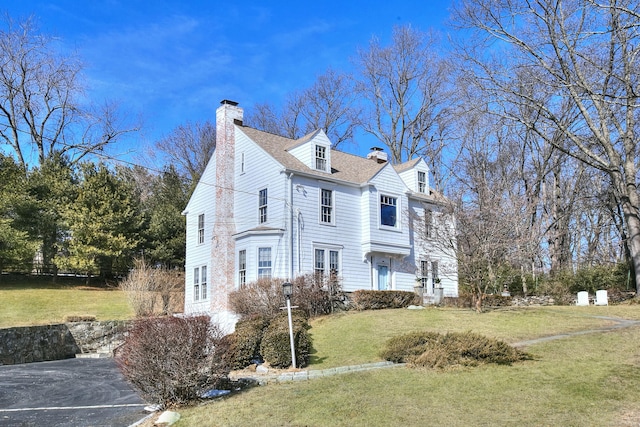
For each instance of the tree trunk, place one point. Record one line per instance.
(633, 242)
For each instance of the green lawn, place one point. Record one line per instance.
(25, 302)
(585, 380)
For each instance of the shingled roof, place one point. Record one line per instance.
(344, 167)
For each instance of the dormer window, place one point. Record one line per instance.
(422, 182)
(321, 158)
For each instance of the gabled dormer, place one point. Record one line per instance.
(415, 174)
(314, 150)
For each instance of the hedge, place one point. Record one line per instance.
(376, 300)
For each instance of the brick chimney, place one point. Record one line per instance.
(222, 273)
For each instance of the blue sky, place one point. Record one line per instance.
(171, 62)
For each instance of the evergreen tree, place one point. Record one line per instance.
(16, 248)
(167, 228)
(104, 222)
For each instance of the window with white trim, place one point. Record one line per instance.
(321, 158)
(334, 262)
(318, 267)
(434, 273)
(196, 284)
(242, 267)
(264, 263)
(200, 290)
(388, 211)
(262, 206)
(242, 162)
(326, 206)
(324, 258)
(200, 229)
(428, 223)
(424, 273)
(422, 182)
(203, 282)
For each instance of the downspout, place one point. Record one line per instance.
(291, 226)
(298, 213)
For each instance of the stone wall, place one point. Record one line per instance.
(62, 341)
(98, 337)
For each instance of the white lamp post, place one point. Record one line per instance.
(287, 289)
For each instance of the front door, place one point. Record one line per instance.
(383, 277)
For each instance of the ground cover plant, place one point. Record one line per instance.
(428, 349)
(587, 379)
(357, 337)
(30, 301)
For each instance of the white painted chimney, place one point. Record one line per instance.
(378, 155)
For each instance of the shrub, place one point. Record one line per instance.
(313, 295)
(276, 344)
(173, 360)
(376, 300)
(79, 318)
(433, 350)
(260, 298)
(153, 291)
(244, 343)
(398, 349)
(317, 295)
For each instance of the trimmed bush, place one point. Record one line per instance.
(376, 300)
(276, 345)
(244, 343)
(173, 360)
(436, 351)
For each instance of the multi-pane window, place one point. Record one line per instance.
(262, 206)
(326, 206)
(264, 262)
(196, 283)
(434, 273)
(422, 182)
(424, 273)
(200, 229)
(334, 266)
(388, 210)
(428, 223)
(242, 267)
(200, 283)
(203, 282)
(322, 258)
(319, 262)
(321, 158)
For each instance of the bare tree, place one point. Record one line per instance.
(329, 104)
(40, 100)
(582, 55)
(404, 87)
(189, 148)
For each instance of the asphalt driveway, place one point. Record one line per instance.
(72, 392)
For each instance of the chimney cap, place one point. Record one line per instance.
(228, 102)
(377, 149)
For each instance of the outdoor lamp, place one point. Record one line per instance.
(287, 289)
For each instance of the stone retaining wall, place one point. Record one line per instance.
(62, 341)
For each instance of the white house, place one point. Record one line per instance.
(269, 206)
